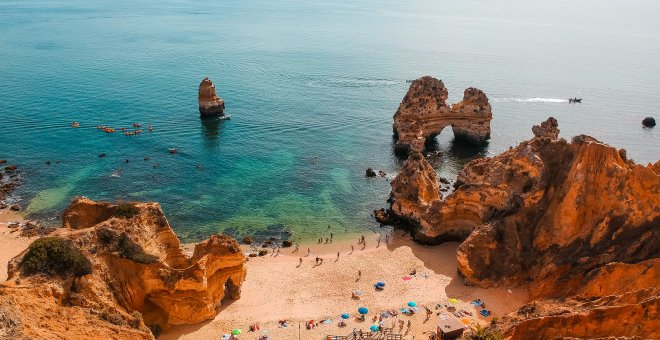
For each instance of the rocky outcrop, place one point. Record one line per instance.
(9, 180)
(574, 220)
(648, 122)
(617, 300)
(137, 265)
(209, 102)
(424, 113)
(577, 223)
(547, 129)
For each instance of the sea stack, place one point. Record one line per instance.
(209, 103)
(648, 122)
(424, 113)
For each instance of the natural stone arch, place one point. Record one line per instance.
(424, 113)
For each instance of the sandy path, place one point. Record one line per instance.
(276, 289)
(11, 244)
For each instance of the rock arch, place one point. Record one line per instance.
(424, 113)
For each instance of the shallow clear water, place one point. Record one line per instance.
(311, 86)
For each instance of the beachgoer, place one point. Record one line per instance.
(508, 293)
(359, 273)
(320, 259)
(331, 236)
(300, 262)
(296, 250)
(337, 256)
(378, 245)
(308, 252)
(326, 240)
(409, 324)
(352, 249)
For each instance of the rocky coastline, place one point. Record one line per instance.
(116, 269)
(424, 113)
(576, 222)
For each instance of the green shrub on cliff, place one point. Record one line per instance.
(55, 256)
(126, 210)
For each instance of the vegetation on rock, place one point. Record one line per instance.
(55, 256)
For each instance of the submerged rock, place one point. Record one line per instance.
(424, 113)
(209, 102)
(138, 265)
(370, 172)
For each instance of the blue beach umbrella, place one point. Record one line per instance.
(345, 316)
(380, 284)
(374, 328)
(363, 310)
(412, 304)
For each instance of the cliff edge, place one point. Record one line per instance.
(114, 268)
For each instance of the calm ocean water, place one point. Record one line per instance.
(311, 86)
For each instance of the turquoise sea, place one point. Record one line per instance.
(311, 87)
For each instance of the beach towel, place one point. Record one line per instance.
(406, 278)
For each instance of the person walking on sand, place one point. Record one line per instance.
(297, 246)
(409, 325)
(359, 274)
(331, 236)
(352, 249)
(378, 245)
(337, 256)
(308, 252)
(300, 260)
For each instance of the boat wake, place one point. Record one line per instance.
(529, 100)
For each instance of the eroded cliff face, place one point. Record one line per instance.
(424, 113)
(576, 220)
(137, 265)
(617, 300)
(209, 102)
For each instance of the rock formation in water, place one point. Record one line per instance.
(209, 102)
(423, 114)
(566, 219)
(139, 275)
(648, 122)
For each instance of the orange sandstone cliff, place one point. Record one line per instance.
(137, 275)
(424, 113)
(576, 222)
(209, 102)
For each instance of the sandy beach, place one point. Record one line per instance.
(278, 288)
(11, 244)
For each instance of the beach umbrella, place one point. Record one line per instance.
(236, 331)
(412, 304)
(380, 284)
(345, 316)
(453, 301)
(374, 328)
(363, 310)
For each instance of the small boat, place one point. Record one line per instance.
(409, 81)
(575, 100)
(224, 117)
(75, 124)
(172, 150)
(136, 125)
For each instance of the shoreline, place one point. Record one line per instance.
(11, 242)
(278, 287)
